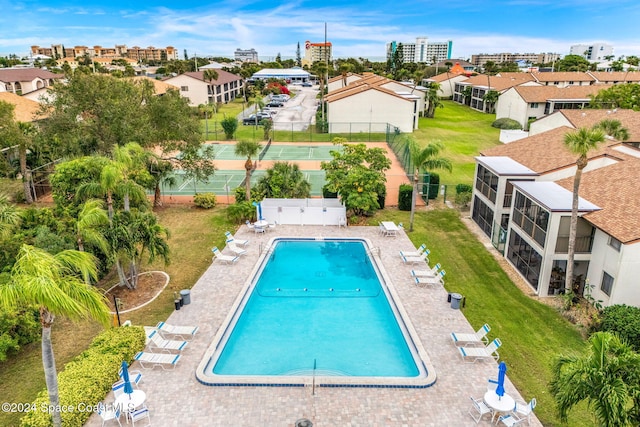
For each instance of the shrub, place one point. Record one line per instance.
(240, 212)
(506, 123)
(240, 193)
(87, 379)
(624, 321)
(464, 188)
(17, 328)
(229, 126)
(434, 185)
(463, 199)
(205, 200)
(404, 197)
(327, 194)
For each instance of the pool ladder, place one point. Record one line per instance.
(374, 251)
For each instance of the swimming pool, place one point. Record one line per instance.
(321, 311)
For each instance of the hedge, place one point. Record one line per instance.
(86, 380)
(204, 200)
(623, 320)
(404, 197)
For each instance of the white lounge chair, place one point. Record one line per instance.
(235, 249)
(416, 259)
(184, 332)
(438, 280)
(231, 238)
(150, 360)
(479, 337)
(432, 272)
(421, 249)
(471, 354)
(224, 258)
(162, 344)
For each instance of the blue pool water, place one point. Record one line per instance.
(317, 304)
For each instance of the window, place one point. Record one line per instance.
(614, 243)
(607, 283)
(487, 183)
(184, 88)
(534, 105)
(525, 258)
(482, 215)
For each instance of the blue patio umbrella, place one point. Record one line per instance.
(128, 388)
(502, 371)
(259, 206)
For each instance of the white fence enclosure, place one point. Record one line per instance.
(304, 211)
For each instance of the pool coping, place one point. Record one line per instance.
(404, 322)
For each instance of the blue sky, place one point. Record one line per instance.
(356, 28)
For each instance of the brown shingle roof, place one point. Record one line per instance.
(160, 86)
(588, 117)
(497, 83)
(615, 76)
(25, 109)
(359, 87)
(563, 76)
(223, 76)
(545, 152)
(26, 74)
(544, 93)
(614, 188)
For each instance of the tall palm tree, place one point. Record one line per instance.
(579, 142)
(110, 179)
(128, 159)
(607, 376)
(249, 149)
(425, 158)
(54, 283)
(432, 98)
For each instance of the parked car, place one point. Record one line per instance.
(254, 120)
(275, 104)
(263, 115)
(306, 84)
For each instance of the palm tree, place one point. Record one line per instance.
(148, 237)
(110, 178)
(613, 129)
(579, 142)
(127, 159)
(249, 149)
(433, 99)
(283, 180)
(92, 216)
(424, 158)
(9, 216)
(54, 283)
(607, 376)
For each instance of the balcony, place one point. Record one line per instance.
(583, 244)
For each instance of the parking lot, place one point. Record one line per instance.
(297, 113)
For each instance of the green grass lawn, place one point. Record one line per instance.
(532, 333)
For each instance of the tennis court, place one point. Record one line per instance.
(280, 152)
(224, 182)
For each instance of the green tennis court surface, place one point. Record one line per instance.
(280, 152)
(224, 182)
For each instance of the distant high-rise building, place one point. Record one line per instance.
(498, 58)
(422, 51)
(246, 55)
(597, 52)
(314, 52)
(136, 53)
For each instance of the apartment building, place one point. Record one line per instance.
(597, 52)
(21, 81)
(522, 201)
(422, 51)
(246, 55)
(314, 52)
(194, 87)
(481, 59)
(135, 53)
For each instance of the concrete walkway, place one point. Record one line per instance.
(176, 398)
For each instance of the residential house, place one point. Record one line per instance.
(447, 81)
(480, 86)
(340, 81)
(522, 200)
(199, 91)
(528, 102)
(362, 107)
(564, 78)
(25, 80)
(583, 118)
(615, 77)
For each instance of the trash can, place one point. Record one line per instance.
(303, 422)
(186, 296)
(455, 300)
(176, 303)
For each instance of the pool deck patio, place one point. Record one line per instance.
(176, 398)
